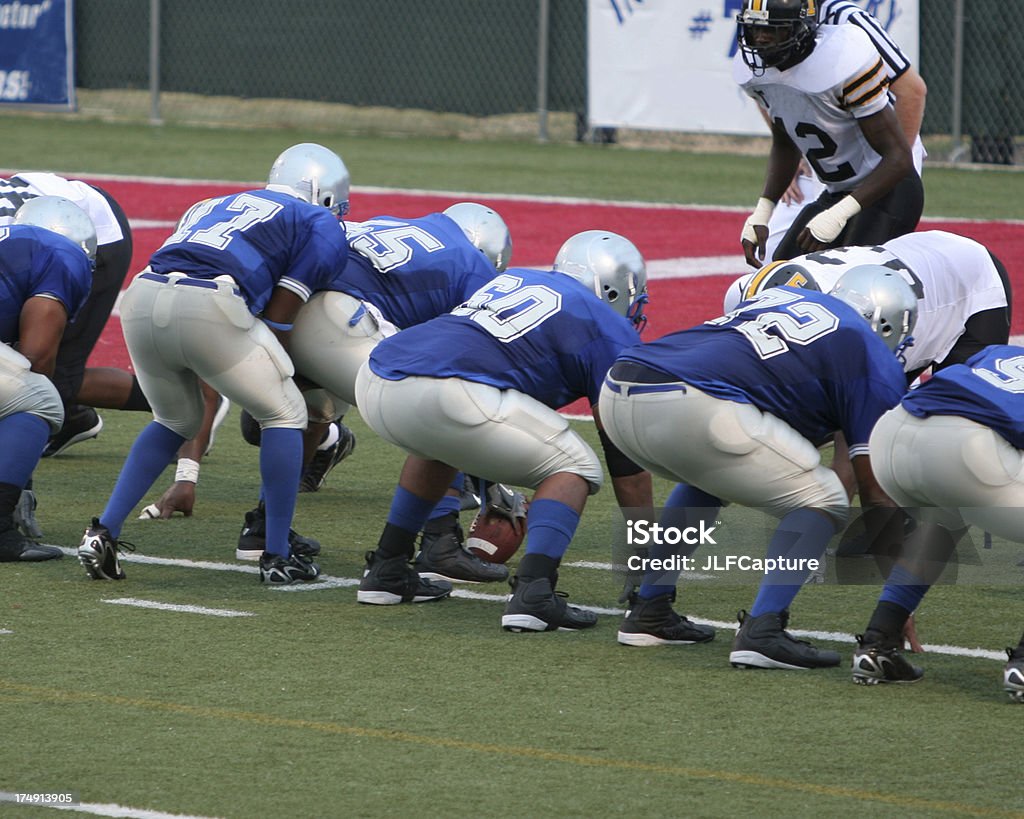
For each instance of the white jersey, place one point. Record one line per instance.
(23, 186)
(839, 12)
(819, 100)
(953, 277)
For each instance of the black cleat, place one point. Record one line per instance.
(326, 459)
(80, 424)
(16, 548)
(279, 570)
(534, 605)
(25, 515)
(388, 582)
(653, 622)
(442, 556)
(763, 642)
(252, 540)
(98, 553)
(1013, 673)
(877, 660)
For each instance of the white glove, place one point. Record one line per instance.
(761, 215)
(828, 224)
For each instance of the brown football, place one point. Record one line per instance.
(494, 538)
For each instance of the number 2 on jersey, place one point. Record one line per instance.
(799, 323)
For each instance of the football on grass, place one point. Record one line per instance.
(494, 538)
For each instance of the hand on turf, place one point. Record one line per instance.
(180, 497)
(910, 636)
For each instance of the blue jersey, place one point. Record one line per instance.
(805, 357)
(412, 270)
(39, 262)
(262, 239)
(988, 388)
(541, 333)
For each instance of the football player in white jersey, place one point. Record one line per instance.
(906, 86)
(825, 90)
(963, 291)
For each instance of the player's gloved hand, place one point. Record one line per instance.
(180, 497)
(827, 225)
(755, 232)
(508, 503)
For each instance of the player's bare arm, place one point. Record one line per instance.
(40, 329)
(882, 131)
(783, 163)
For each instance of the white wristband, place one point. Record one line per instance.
(761, 216)
(828, 224)
(188, 470)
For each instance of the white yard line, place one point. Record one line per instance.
(98, 809)
(328, 582)
(153, 604)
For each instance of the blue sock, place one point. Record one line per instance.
(803, 533)
(408, 511)
(280, 469)
(903, 588)
(22, 439)
(450, 503)
(154, 448)
(685, 506)
(550, 525)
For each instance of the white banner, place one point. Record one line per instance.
(666, 64)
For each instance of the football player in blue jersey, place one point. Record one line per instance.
(478, 389)
(217, 303)
(46, 259)
(399, 272)
(734, 409)
(952, 451)
(81, 388)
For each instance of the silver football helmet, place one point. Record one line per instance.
(779, 274)
(61, 216)
(313, 173)
(883, 297)
(485, 229)
(609, 265)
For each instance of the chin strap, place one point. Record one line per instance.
(902, 348)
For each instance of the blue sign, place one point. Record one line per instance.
(37, 54)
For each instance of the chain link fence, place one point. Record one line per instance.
(509, 69)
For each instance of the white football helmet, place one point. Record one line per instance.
(883, 297)
(734, 293)
(314, 174)
(485, 229)
(609, 265)
(61, 216)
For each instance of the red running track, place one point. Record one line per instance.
(538, 228)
